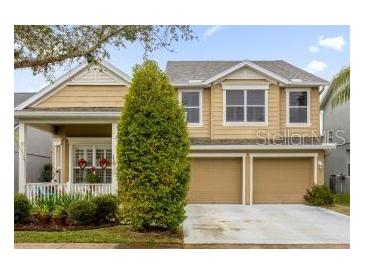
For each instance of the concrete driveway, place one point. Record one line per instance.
(264, 224)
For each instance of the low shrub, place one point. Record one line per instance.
(106, 208)
(42, 214)
(82, 212)
(319, 195)
(59, 212)
(22, 209)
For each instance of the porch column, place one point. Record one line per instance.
(22, 154)
(114, 158)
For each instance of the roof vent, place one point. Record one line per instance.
(296, 80)
(195, 81)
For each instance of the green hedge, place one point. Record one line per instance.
(22, 209)
(153, 145)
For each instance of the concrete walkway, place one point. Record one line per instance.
(265, 225)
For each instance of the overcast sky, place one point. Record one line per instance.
(322, 50)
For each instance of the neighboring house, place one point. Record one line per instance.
(336, 128)
(241, 118)
(39, 147)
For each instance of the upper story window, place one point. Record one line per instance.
(298, 107)
(245, 106)
(192, 102)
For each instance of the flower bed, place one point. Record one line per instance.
(65, 211)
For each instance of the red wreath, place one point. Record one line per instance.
(82, 163)
(103, 163)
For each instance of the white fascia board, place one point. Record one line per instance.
(117, 71)
(261, 147)
(249, 64)
(68, 114)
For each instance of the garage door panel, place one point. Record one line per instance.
(215, 181)
(281, 180)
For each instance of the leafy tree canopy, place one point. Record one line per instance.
(43, 48)
(340, 87)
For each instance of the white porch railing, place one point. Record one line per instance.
(34, 190)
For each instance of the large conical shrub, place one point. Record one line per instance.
(153, 146)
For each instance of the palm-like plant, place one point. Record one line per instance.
(340, 87)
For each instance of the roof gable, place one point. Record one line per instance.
(96, 75)
(241, 65)
(83, 74)
(199, 73)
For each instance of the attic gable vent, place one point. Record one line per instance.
(296, 80)
(195, 81)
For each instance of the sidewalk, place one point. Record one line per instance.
(65, 246)
(186, 246)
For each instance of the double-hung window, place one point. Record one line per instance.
(92, 155)
(245, 106)
(298, 107)
(192, 102)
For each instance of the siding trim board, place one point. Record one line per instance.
(262, 147)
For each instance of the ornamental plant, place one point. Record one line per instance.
(153, 145)
(92, 177)
(319, 195)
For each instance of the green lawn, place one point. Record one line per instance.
(122, 234)
(342, 203)
(342, 199)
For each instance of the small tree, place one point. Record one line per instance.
(153, 145)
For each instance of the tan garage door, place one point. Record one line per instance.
(215, 181)
(281, 180)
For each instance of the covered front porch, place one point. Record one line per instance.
(83, 155)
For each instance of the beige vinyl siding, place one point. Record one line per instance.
(86, 96)
(314, 118)
(203, 131)
(244, 132)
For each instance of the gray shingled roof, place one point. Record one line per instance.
(20, 97)
(182, 72)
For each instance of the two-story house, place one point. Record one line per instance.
(241, 116)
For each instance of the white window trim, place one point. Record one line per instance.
(200, 124)
(92, 142)
(308, 91)
(246, 123)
